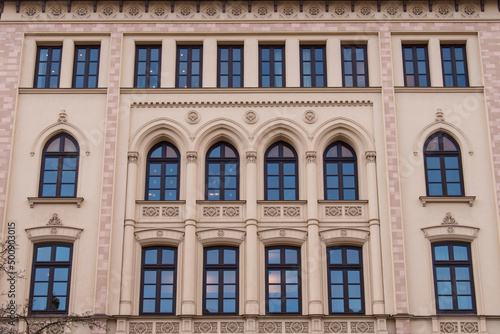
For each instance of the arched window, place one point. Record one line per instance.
(222, 173)
(59, 171)
(162, 173)
(443, 166)
(281, 172)
(340, 172)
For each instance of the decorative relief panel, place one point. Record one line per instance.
(151, 211)
(205, 327)
(355, 210)
(345, 234)
(335, 326)
(159, 235)
(215, 212)
(211, 211)
(221, 235)
(469, 327)
(140, 327)
(362, 327)
(448, 327)
(270, 327)
(272, 211)
(160, 211)
(232, 327)
(280, 234)
(297, 327)
(167, 327)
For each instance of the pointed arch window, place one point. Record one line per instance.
(340, 172)
(443, 166)
(59, 170)
(162, 173)
(222, 173)
(281, 173)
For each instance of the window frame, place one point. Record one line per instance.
(344, 267)
(340, 161)
(220, 267)
(148, 62)
(282, 267)
(86, 63)
(442, 154)
(230, 62)
(222, 161)
(414, 61)
(52, 265)
(49, 65)
(314, 76)
(158, 268)
(163, 161)
(60, 156)
(281, 160)
(452, 264)
(354, 60)
(189, 62)
(272, 73)
(454, 64)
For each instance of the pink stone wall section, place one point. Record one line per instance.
(11, 41)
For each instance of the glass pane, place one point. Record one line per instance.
(167, 291)
(336, 276)
(274, 256)
(148, 306)
(460, 253)
(444, 288)
(445, 302)
(167, 277)
(353, 276)
(229, 305)
(291, 256)
(229, 256)
(212, 291)
(289, 195)
(43, 253)
(151, 256)
(212, 277)
(274, 276)
(58, 303)
(354, 305)
(67, 190)
(41, 289)
(51, 163)
(273, 195)
(150, 277)
(230, 169)
(451, 162)
(62, 253)
(49, 191)
(61, 274)
(229, 291)
(352, 256)
(272, 169)
(42, 274)
(462, 274)
(274, 305)
(338, 305)
(291, 276)
(229, 276)
(289, 182)
(292, 291)
(213, 256)
(464, 302)
(274, 291)
(39, 304)
(166, 306)
(336, 256)
(214, 169)
(443, 273)
(292, 305)
(149, 291)
(212, 306)
(463, 288)
(289, 168)
(441, 253)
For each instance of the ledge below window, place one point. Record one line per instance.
(59, 200)
(442, 199)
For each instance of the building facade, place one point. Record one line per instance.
(253, 167)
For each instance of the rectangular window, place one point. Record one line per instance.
(345, 280)
(86, 66)
(220, 281)
(312, 59)
(453, 280)
(48, 67)
(50, 278)
(189, 66)
(272, 66)
(354, 66)
(147, 66)
(158, 280)
(416, 65)
(230, 66)
(283, 283)
(454, 66)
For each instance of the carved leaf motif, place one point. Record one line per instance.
(296, 327)
(205, 327)
(362, 327)
(270, 327)
(167, 327)
(140, 327)
(232, 327)
(335, 327)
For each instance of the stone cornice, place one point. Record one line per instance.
(254, 104)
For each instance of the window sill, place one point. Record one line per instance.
(63, 90)
(442, 199)
(55, 200)
(159, 202)
(281, 202)
(214, 202)
(427, 90)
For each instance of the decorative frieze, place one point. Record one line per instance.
(335, 326)
(270, 327)
(353, 211)
(160, 211)
(297, 327)
(140, 327)
(344, 210)
(469, 327)
(211, 211)
(362, 327)
(230, 211)
(205, 327)
(448, 327)
(232, 327)
(167, 327)
(151, 211)
(282, 210)
(170, 211)
(272, 211)
(333, 211)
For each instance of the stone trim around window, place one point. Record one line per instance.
(447, 199)
(58, 200)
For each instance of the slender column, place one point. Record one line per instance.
(189, 250)
(314, 272)
(251, 240)
(128, 236)
(375, 247)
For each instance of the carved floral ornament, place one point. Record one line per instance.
(159, 235)
(251, 157)
(370, 156)
(284, 234)
(133, 157)
(311, 156)
(450, 228)
(55, 220)
(217, 235)
(192, 156)
(344, 234)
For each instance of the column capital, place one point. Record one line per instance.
(133, 157)
(192, 156)
(370, 156)
(311, 156)
(251, 157)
